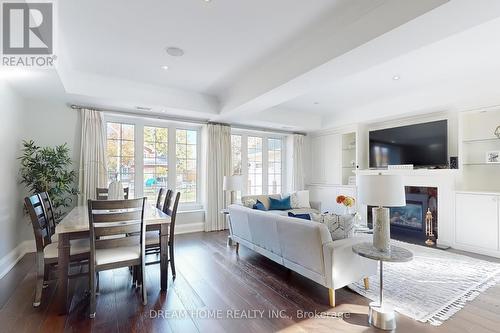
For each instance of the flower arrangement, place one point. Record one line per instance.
(346, 200)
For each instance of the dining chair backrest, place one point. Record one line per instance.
(38, 221)
(173, 215)
(122, 219)
(102, 193)
(49, 212)
(161, 192)
(168, 201)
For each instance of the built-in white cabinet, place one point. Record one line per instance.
(326, 159)
(478, 222)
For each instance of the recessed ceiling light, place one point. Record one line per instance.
(316, 103)
(396, 77)
(175, 51)
(164, 67)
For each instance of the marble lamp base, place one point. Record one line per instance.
(381, 229)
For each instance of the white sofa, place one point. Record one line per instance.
(303, 246)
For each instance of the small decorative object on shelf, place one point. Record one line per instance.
(497, 131)
(429, 231)
(493, 157)
(347, 201)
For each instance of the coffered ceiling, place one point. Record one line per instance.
(288, 64)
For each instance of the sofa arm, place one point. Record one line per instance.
(316, 205)
(343, 266)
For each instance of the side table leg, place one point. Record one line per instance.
(381, 295)
(379, 315)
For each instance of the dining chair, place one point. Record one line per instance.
(102, 193)
(153, 238)
(46, 249)
(123, 222)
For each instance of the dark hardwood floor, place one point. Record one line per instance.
(211, 278)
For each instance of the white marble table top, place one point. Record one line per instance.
(78, 219)
(397, 254)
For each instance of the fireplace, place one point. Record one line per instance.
(408, 222)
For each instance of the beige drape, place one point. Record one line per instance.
(92, 155)
(298, 162)
(218, 165)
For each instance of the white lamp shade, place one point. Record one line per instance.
(233, 183)
(381, 190)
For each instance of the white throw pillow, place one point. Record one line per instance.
(340, 226)
(300, 199)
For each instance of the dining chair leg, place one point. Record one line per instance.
(92, 292)
(97, 283)
(143, 284)
(171, 259)
(46, 275)
(40, 273)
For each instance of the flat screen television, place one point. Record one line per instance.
(423, 145)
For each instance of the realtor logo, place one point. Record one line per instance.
(28, 34)
(27, 28)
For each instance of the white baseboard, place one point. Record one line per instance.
(189, 227)
(11, 259)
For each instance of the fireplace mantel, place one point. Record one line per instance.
(409, 172)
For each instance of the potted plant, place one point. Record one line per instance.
(47, 169)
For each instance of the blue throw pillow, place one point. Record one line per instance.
(279, 204)
(300, 216)
(259, 206)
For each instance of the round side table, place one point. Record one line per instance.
(379, 315)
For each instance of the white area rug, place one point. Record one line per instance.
(433, 286)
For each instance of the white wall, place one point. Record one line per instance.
(14, 229)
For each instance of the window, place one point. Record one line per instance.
(254, 165)
(155, 161)
(274, 148)
(186, 156)
(236, 155)
(120, 152)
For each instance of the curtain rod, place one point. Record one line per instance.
(185, 120)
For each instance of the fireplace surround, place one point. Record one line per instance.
(408, 222)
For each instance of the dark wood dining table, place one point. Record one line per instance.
(75, 225)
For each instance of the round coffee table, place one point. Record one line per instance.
(381, 316)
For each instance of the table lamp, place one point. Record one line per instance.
(381, 191)
(232, 184)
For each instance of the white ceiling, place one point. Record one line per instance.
(220, 38)
(266, 63)
(458, 72)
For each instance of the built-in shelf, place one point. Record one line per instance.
(349, 149)
(482, 140)
(497, 164)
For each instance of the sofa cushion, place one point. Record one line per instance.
(300, 199)
(250, 200)
(340, 226)
(279, 204)
(300, 216)
(259, 206)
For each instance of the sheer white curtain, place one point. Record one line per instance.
(218, 165)
(298, 162)
(92, 154)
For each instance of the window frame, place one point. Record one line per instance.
(265, 157)
(172, 126)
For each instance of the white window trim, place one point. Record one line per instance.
(139, 124)
(265, 157)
